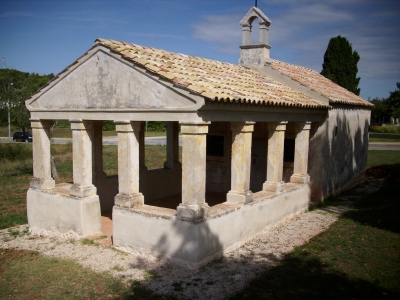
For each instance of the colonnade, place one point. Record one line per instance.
(88, 164)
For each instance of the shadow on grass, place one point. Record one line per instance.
(308, 278)
(382, 208)
(331, 265)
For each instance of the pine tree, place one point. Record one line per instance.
(340, 64)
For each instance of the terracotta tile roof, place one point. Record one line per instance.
(334, 92)
(214, 80)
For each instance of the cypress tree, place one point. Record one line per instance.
(340, 64)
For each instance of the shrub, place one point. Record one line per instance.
(15, 151)
(108, 126)
(385, 129)
(156, 126)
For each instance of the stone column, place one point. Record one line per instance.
(41, 155)
(241, 162)
(193, 206)
(172, 145)
(128, 165)
(276, 139)
(82, 160)
(264, 30)
(142, 145)
(301, 153)
(246, 35)
(98, 172)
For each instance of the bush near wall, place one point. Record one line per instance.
(156, 126)
(385, 129)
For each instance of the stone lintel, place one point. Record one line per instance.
(42, 183)
(82, 191)
(129, 201)
(276, 187)
(302, 179)
(236, 197)
(192, 212)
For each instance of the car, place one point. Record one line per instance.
(22, 137)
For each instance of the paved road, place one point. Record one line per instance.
(112, 140)
(384, 146)
(161, 140)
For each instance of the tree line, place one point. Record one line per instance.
(15, 88)
(386, 110)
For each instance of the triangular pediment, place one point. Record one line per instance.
(252, 14)
(102, 81)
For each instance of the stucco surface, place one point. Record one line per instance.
(197, 241)
(61, 213)
(338, 151)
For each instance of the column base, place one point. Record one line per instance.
(192, 212)
(129, 201)
(173, 165)
(276, 187)
(302, 179)
(237, 197)
(42, 183)
(100, 176)
(82, 191)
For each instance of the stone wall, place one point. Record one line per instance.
(338, 151)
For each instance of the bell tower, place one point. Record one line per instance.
(258, 54)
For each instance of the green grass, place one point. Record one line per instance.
(383, 157)
(356, 258)
(28, 275)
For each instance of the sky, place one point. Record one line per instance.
(45, 37)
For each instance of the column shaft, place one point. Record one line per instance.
(301, 153)
(98, 172)
(82, 160)
(172, 145)
(193, 206)
(128, 165)
(241, 162)
(276, 139)
(41, 155)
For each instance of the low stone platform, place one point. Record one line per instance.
(158, 231)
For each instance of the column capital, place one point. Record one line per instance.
(302, 125)
(127, 126)
(39, 123)
(194, 128)
(277, 126)
(78, 124)
(242, 126)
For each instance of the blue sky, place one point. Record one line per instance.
(46, 36)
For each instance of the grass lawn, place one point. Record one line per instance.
(384, 140)
(383, 157)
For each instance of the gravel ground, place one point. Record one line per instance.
(217, 280)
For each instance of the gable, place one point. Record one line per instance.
(104, 82)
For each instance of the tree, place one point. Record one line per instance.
(340, 64)
(393, 102)
(15, 88)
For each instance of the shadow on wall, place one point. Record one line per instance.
(338, 152)
(191, 242)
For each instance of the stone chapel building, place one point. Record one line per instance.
(261, 140)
